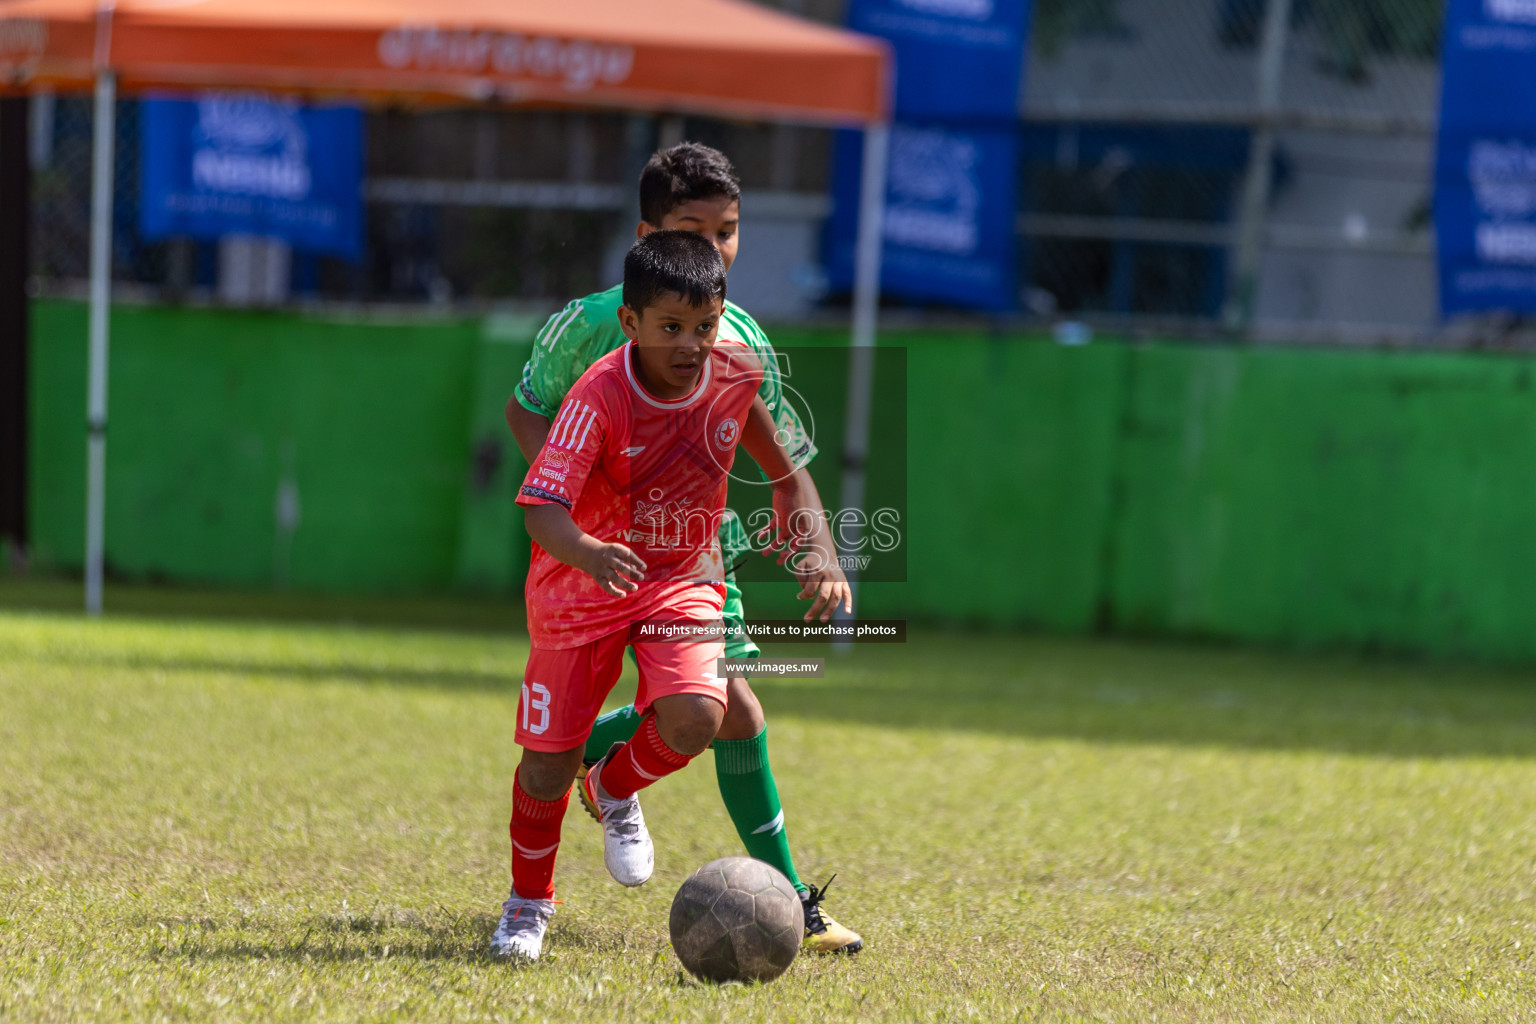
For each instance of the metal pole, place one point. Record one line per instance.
(1238, 313)
(15, 210)
(105, 126)
(866, 312)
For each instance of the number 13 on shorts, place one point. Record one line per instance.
(535, 701)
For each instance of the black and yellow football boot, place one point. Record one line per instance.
(823, 934)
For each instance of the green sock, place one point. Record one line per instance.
(616, 726)
(752, 798)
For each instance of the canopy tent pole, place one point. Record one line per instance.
(102, 146)
(861, 353)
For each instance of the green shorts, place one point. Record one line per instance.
(737, 643)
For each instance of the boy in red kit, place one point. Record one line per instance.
(624, 505)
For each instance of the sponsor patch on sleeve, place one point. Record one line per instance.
(533, 399)
(530, 491)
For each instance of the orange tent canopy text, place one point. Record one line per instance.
(727, 57)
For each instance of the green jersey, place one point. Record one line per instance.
(588, 328)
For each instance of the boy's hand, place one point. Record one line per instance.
(614, 567)
(798, 535)
(826, 595)
(822, 582)
(825, 585)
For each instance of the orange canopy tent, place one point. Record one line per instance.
(720, 56)
(728, 57)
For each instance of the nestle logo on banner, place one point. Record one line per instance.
(1522, 11)
(576, 64)
(974, 10)
(1503, 177)
(251, 145)
(25, 36)
(1506, 243)
(934, 198)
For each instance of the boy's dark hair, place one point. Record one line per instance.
(681, 174)
(673, 263)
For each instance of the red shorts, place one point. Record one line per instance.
(563, 690)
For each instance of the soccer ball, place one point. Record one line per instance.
(737, 919)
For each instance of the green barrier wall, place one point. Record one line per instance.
(210, 414)
(1368, 500)
(1373, 500)
(1010, 446)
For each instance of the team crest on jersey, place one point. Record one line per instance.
(726, 434)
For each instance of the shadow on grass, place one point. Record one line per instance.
(337, 940)
(1096, 690)
(63, 595)
(312, 950)
(1093, 690)
(1164, 693)
(361, 674)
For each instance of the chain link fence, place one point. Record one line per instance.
(1187, 165)
(1264, 164)
(464, 207)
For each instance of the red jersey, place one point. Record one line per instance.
(646, 472)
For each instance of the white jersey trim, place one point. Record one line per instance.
(575, 420)
(659, 403)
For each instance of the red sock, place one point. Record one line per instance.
(640, 762)
(535, 841)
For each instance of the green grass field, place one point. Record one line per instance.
(211, 819)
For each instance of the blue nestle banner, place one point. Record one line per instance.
(954, 58)
(1485, 163)
(950, 202)
(249, 164)
(950, 207)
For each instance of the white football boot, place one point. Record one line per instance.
(627, 850)
(522, 927)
